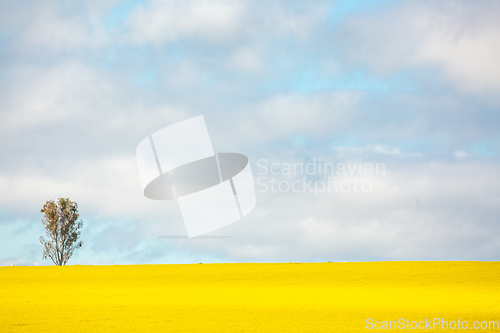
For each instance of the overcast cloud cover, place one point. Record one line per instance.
(412, 85)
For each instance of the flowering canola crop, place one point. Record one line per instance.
(284, 297)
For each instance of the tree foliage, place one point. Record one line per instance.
(62, 229)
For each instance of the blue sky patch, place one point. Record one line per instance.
(115, 18)
(342, 8)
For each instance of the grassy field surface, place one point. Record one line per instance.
(289, 297)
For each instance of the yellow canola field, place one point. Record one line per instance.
(285, 297)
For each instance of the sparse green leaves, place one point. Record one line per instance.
(62, 229)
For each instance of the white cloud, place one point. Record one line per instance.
(247, 59)
(56, 25)
(37, 98)
(165, 21)
(70, 122)
(184, 74)
(222, 21)
(461, 39)
(283, 115)
(413, 212)
(468, 60)
(300, 22)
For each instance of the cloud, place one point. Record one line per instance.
(53, 96)
(72, 110)
(459, 39)
(412, 85)
(247, 60)
(467, 58)
(221, 21)
(297, 20)
(285, 115)
(412, 212)
(55, 26)
(161, 21)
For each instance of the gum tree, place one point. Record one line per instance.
(62, 228)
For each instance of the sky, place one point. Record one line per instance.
(412, 87)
